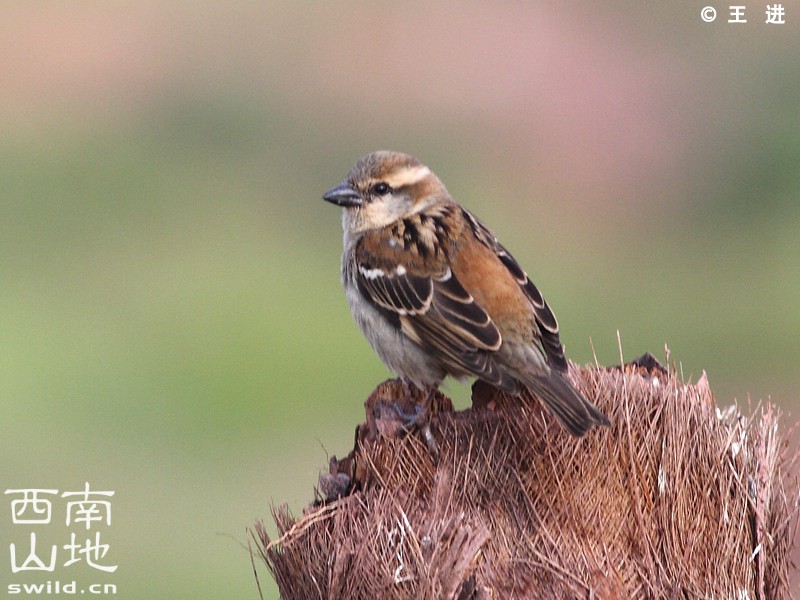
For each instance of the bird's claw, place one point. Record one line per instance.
(419, 419)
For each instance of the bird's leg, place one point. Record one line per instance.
(421, 419)
(408, 391)
(425, 417)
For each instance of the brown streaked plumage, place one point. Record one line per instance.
(436, 294)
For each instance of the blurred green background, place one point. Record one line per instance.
(172, 325)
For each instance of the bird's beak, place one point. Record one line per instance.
(343, 195)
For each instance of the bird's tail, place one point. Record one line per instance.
(575, 412)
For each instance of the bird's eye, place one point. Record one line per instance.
(381, 188)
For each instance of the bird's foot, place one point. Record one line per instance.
(419, 418)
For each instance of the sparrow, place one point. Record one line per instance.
(435, 293)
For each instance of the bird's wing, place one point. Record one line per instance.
(395, 289)
(434, 309)
(545, 319)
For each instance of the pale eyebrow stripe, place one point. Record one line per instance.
(407, 176)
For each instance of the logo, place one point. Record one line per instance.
(87, 516)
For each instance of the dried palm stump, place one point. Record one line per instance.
(676, 499)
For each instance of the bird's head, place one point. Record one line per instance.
(384, 187)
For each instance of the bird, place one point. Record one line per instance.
(436, 295)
